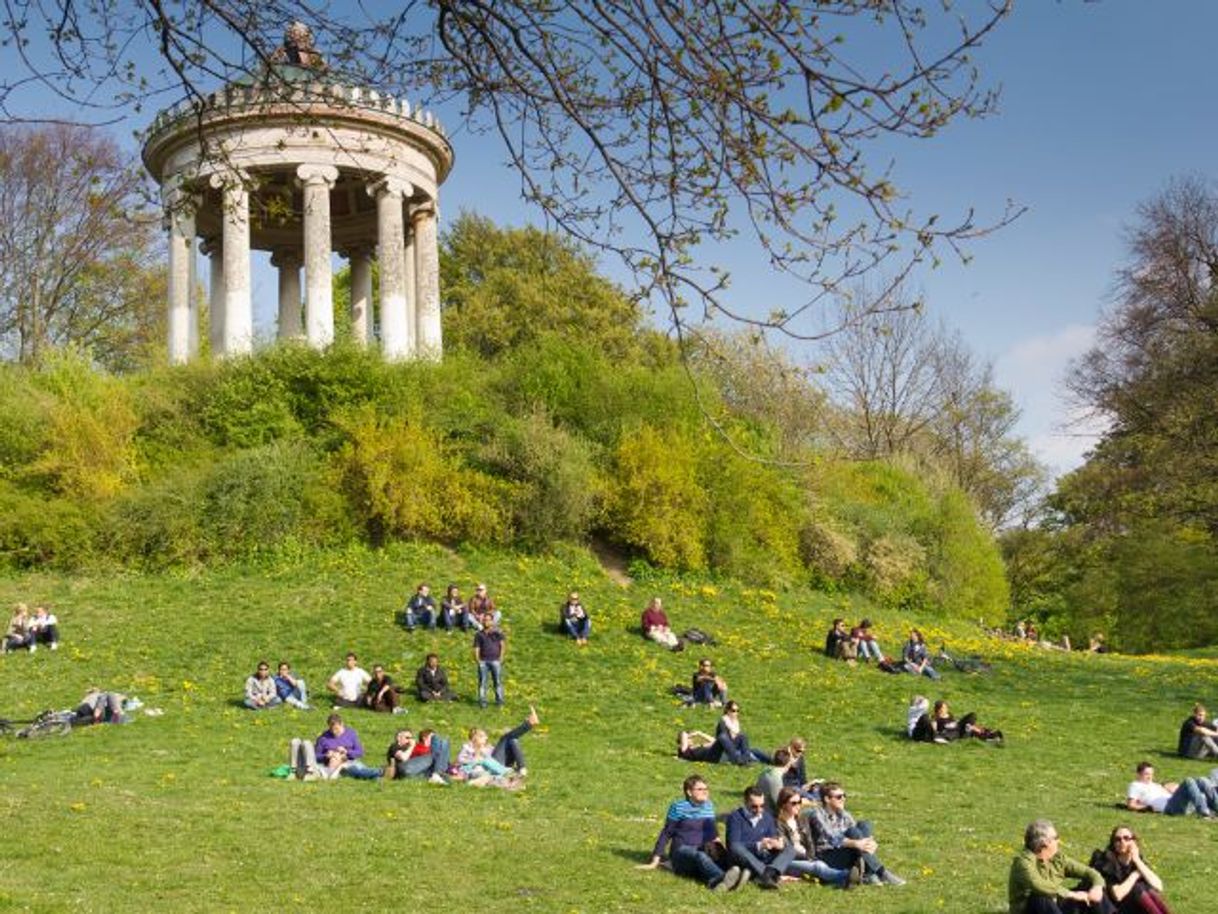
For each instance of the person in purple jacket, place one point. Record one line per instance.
(339, 752)
(690, 834)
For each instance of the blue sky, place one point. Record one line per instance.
(1102, 103)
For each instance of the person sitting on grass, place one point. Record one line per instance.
(291, 688)
(916, 656)
(729, 740)
(868, 646)
(45, 628)
(797, 835)
(98, 707)
(573, 619)
(421, 609)
(1192, 794)
(480, 604)
(654, 623)
(19, 634)
(340, 753)
(1197, 739)
(348, 684)
(917, 720)
(507, 757)
(772, 780)
(842, 843)
(692, 840)
(260, 692)
(452, 609)
(1042, 876)
(709, 688)
(381, 694)
(425, 757)
(431, 681)
(1131, 885)
(838, 643)
(796, 776)
(753, 842)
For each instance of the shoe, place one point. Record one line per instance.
(855, 877)
(399, 710)
(730, 882)
(872, 879)
(33, 647)
(482, 704)
(745, 876)
(54, 645)
(888, 877)
(438, 778)
(768, 880)
(523, 772)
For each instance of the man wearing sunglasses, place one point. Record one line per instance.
(842, 843)
(753, 842)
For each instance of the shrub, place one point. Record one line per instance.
(829, 553)
(243, 403)
(655, 500)
(40, 531)
(557, 488)
(969, 577)
(401, 481)
(896, 571)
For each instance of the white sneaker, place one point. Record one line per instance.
(54, 645)
(399, 710)
(33, 647)
(438, 778)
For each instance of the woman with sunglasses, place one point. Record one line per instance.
(795, 832)
(1130, 883)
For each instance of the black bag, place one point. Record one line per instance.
(697, 636)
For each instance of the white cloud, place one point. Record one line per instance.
(1034, 370)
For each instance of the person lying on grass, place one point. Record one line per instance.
(100, 707)
(843, 843)
(691, 838)
(425, 757)
(1131, 885)
(729, 740)
(1042, 876)
(940, 726)
(1190, 795)
(478, 759)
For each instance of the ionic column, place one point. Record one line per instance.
(180, 221)
(397, 333)
(412, 296)
(360, 259)
(317, 180)
(287, 261)
(430, 343)
(215, 293)
(238, 320)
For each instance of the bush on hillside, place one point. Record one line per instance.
(655, 501)
(41, 532)
(402, 482)
(830, 553)
(969, 577)
(896, 571)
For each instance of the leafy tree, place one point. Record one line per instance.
(75, 266)
(504, 287)
(642, 128)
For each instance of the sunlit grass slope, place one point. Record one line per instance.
(177, 813)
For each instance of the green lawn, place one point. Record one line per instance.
(177, 813)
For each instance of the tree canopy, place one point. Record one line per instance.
(645, 129)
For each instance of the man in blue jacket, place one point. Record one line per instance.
(753, 842)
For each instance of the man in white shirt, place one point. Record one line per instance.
(348, 684)
(1170, 799)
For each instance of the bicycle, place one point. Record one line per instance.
(47, 724)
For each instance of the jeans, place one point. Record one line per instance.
(759, 863)
(507, 750)
(490, 669)
(843, 858)
(1189, 793)
(449, 618)
(695, 864)
(739, 752)
(707, 691)
(818, 869)
(360, 771)
(298, 697)
(422, 766)
(928, 671)
(870, 650)
(423, 617)
(577, 628)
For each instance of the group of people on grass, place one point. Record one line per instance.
(26, 630)
(351, 686)
(938, 725)
(1118, 880)
(338, 752)
(453, 612)
(772, 838)
(860, 644)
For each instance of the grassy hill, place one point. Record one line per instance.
(177, 812)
